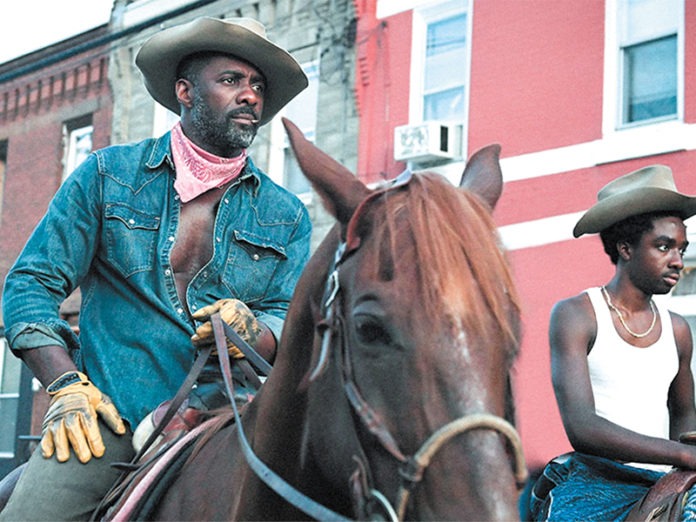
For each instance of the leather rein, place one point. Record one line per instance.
(411, 469)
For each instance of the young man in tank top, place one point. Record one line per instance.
(620, 361)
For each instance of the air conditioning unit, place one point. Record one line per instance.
(428, 141)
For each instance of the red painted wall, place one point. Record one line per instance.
(548, 273)
(382, 89)
(536, 74)
(536, 84)
(41, 102)
(690, 62)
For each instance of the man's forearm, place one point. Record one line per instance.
(47, 362)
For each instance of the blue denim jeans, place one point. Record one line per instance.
(583, 487)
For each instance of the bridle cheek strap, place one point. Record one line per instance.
(411, 469)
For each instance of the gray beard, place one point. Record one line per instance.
(217, 131)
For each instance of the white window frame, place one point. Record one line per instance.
(422, 17)
(278, 137)
(4, 353)
(71, 155)
(163, 120)
(633, 138)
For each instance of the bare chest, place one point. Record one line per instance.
(194, 244)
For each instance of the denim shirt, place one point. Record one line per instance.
(110, 230)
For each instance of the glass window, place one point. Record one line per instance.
(650, 82)
(302, 111)
(77, 139)
(648, 45)
(445, 70)
(3, 168)
(10, 373)
(163, 120)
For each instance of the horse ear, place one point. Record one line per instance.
(340, 191)
(483, 176)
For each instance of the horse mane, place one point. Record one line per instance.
(464, 270)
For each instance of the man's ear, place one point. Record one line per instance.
(184, 92)
(625, 250)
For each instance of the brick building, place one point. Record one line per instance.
(60, 102)
(55, 105)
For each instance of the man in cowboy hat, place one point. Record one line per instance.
(620, 361)
(158, 235)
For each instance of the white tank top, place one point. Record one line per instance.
(630, 384)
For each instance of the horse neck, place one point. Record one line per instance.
(280, 407)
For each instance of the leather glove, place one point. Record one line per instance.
(237, 315)
(71, 419)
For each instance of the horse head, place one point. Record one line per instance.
(415, 327)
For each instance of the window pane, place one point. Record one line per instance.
(650, 81)
(446, 36)
(647, 19)
(446, 105)
(78, 148)
(77, 136)
(295, 181)
(11, 371)
(8, 421)
(302, 110)
(3, 164)
(445, 69)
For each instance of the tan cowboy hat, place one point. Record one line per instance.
(650, 189)
(244, 38)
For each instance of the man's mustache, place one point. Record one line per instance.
(244, 110)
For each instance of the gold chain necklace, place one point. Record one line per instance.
(618, 312)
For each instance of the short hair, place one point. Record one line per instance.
(191, 65)
(631, 230)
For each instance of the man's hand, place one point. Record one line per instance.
(236, 314)
(71, 419)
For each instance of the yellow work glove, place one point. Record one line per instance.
(237, 315)
(71, 419)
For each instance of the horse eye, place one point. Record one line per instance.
(370, 331)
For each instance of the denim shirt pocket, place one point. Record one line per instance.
(131, 238)
(251, 264)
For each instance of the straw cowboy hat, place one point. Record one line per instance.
(244, 38)
(650, 189)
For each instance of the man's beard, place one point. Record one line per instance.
(217, 131)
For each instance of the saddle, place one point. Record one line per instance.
(175, 430)
(665, 500)
(143, 483)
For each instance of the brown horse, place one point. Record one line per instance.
(391, 382)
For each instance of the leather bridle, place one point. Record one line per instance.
(411, 469)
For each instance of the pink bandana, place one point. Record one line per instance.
(198, 171)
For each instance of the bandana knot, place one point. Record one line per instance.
(197, 170)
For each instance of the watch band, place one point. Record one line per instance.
(64, 380)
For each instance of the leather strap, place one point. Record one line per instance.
(261, 364)
(126, 467)
(181, 395)
(266, 474)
